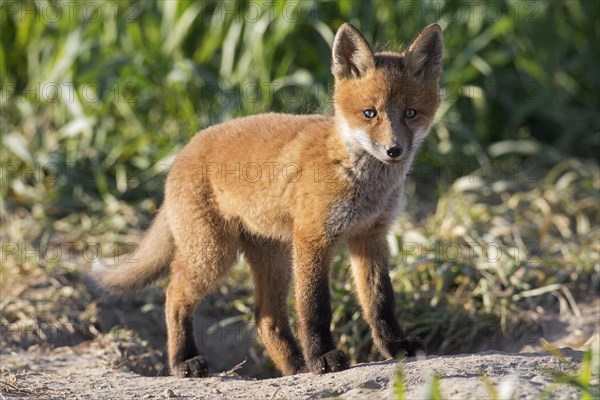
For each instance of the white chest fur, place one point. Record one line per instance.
(376, 192)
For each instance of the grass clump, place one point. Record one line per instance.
(490, 258)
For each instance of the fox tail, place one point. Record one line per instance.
(149, 263)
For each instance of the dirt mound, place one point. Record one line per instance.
(82, 372)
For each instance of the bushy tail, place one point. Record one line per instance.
(146, 265)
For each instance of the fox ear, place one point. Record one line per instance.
(352, 55)
(426, 54)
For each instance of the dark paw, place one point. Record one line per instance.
(410, 347)
(196, 367)
(333, 361)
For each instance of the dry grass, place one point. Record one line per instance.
(494, 254)
(10, 383)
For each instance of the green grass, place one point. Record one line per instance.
(433, 390)
(583, 379)
(502, 207)
(504, 390)
(490, 252)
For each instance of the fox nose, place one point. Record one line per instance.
(394, 151)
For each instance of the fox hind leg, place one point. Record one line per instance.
(197, 267)
(270, 262)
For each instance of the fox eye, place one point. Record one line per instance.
(370, 113)
(410, 113)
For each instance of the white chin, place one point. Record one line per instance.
(392, 160)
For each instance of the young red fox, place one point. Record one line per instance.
(285, 190)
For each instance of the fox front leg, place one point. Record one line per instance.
(311, 269)
(369, 257)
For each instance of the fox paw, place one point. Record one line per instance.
(196, 367)
(332, 361)
(409, 346)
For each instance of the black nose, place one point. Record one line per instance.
(394, 151)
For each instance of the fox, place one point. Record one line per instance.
(285, 191)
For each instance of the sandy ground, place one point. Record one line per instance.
(80, 373)
(81, 368)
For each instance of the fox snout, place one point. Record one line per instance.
(395, 138)
(383, 141)
(394, 151)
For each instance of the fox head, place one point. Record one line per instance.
(385, 102)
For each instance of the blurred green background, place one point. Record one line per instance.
(98, 97)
